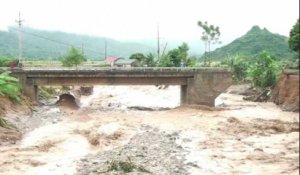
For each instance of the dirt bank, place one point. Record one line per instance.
(286, 92)
(9, 132)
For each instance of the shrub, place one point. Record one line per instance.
(263, 70)
(9, 86)
(73, 58)
(5, 62)
(239, 66)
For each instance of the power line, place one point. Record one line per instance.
(58, 42)
(41, 48)
(72, 45)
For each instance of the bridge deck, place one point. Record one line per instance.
(198, 85)
(115, 72)
(161, 69)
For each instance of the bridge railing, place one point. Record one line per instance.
(125, 69)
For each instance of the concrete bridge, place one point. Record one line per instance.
(198, 85)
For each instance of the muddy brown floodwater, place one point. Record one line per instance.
(107, 136)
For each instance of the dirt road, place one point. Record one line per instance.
(106, 137)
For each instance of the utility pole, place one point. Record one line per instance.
(158, 44)
(105, 49)
(82, 51)
(19, 22)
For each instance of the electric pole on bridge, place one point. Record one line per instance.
(19, 22)
(158, 44)
(105, 49)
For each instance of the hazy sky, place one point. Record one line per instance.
(138, 19)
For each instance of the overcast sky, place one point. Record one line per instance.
(138, 19)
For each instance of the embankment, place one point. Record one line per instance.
(286, 92)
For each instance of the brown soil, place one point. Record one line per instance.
(10, 134)
(4, 105)
(7, 106)
(286, 93)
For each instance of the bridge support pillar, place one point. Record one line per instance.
(31, 91)
(205, 87)
(29, 88)
(183, 95)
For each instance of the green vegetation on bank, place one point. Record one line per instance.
(262, 71)
(5, 62)
(294, 40)
(10, 87)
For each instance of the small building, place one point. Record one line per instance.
(126, 63)
(112, 60)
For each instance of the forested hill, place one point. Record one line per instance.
(253, 42)
(39, 44)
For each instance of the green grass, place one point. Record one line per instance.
(10, 87)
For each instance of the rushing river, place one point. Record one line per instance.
(242, 138)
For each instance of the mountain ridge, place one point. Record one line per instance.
(253, 43)
(40, 44)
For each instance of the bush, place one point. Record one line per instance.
(73, 58)
(264, 70)
(9, 86)
(5, 62)
(239, 66)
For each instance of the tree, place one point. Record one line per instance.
(176, 57)
(239, 66)
(143, 60)
(73, 58)
(210, 35)
(139, 57)
(294, 39)
(149, 60)
(263, 70)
